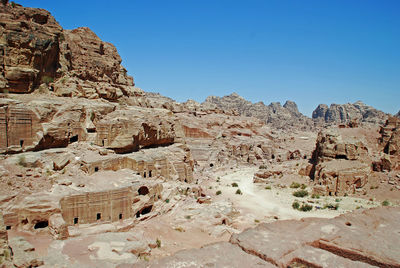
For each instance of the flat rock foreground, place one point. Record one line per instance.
(367, 238)
(95, 172)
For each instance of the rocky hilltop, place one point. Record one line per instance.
(275, 114)
(345, 113)
(36, 53)
(397, 115)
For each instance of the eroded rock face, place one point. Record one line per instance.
(29, 48)
(134, 128)
(341, 165)
(345, 113)
(221, 254)
(36, 51)
(330, 145)
(285, 116)
(397, 115)
(5, 253)
(92, 68)
(349, 240)
(390, 139)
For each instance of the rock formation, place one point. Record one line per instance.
(397, 115)
(345, 113)
(37, 52)
(285, 116)
(350, 240)
(341, 165)
(5, 253)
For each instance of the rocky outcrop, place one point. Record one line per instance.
(285, 116)
(341, 164)
(331, 145)
(397, 115)
(5, 253)
(36, 52)
(221, 140)
(131, 129)
(346, 113)
(390, 146)
(350, 240)
(24, 253)
(29, 48)
(390, 139)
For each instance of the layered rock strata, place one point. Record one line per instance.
(349, 240)
(341, 165)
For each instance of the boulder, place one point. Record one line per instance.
(24, 254)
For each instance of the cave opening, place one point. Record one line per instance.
(41, 225)
(76, 220)
(98, 216)
(143, 190)
(144, 211)
(73, 139)
(21, 143)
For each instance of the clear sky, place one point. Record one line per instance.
(309, 51)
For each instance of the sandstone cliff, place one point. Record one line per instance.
(36, 52)
(275, 114)
(345, 113)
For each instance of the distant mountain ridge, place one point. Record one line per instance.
(344, 113)
(275, 114)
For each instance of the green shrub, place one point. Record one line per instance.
(268, 187)
(256, 221)
(385, 203)
(306, 207)
(218, 192)
(303, 186)
(47, 79)
(295, 185)
(331, 206)
(158, 241)
(167, 200)
(337, 200)
(238, 191)
(316, 196)
(296, 205)
(300, 193)
(263, 167)
(235, 184)
(22, 161)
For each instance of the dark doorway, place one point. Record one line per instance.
(120, 216)
(75, 220)
(149, 173)
(73, 139)
(41, 224)
(143, 190)
(96, 169)
(98, 216)
(21, 143)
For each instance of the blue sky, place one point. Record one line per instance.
(308, 51)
